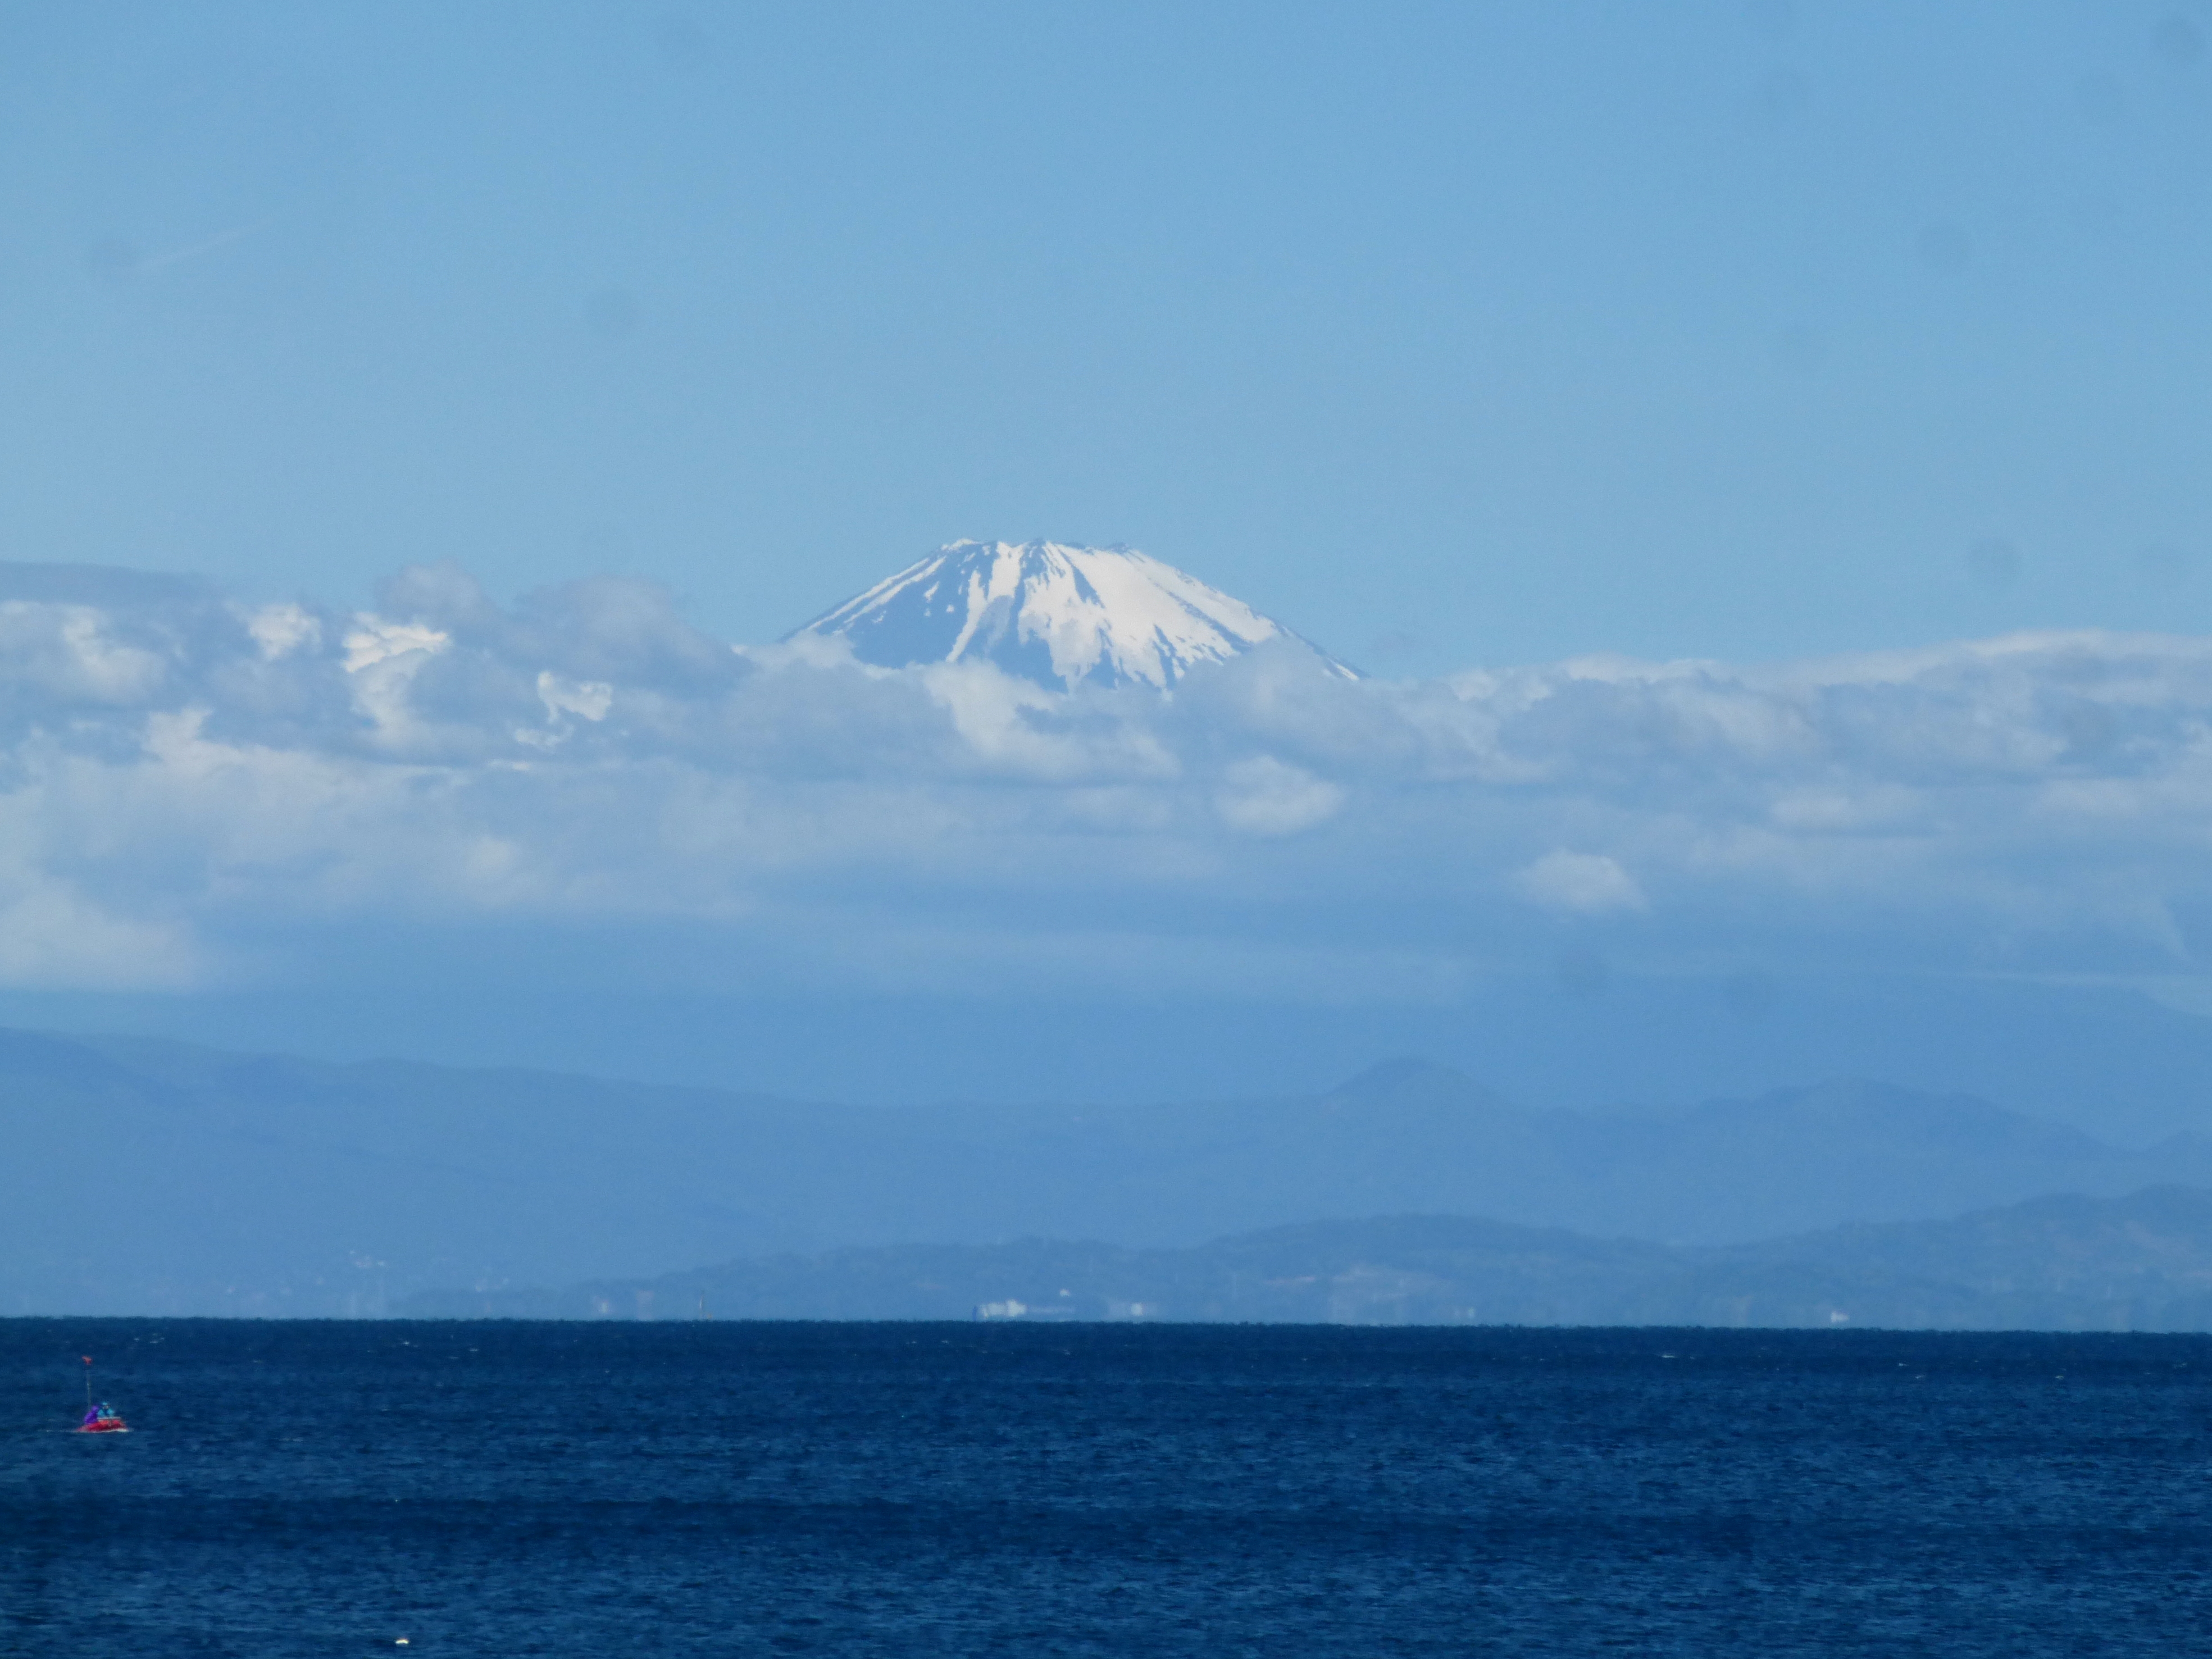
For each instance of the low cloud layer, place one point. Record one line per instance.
(192, 787)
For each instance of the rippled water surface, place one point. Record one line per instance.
(507, 1489)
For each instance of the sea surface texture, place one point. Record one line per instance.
(673, 1489)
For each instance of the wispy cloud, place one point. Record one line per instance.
(206, 245)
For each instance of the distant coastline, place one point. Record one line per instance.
(2143, 1263)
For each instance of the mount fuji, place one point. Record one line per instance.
(1059, 616)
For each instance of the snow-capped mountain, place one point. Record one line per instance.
(1061, 617)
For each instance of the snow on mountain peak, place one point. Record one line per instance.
(1060, 616)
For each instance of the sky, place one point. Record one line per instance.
(1450, 334)
(1757, 452)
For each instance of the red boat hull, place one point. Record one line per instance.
(106, 1425)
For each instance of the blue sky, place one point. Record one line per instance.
(1757, 448)
(1450, 334)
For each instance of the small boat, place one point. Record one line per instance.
(102, 1418)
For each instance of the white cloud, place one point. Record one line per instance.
(177, 775)
(281, 629)
(1587, 884)
(55, 936)
(374, 639)
(68, 654)
(1263, 796)
(590, 698)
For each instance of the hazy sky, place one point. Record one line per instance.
(1449, 334)
(492, 369)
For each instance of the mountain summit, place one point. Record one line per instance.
(1060, 616)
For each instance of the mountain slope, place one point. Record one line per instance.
(1060, 616)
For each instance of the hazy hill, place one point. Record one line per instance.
(1409, 1138)
(152, 1177)
(2140, 1262)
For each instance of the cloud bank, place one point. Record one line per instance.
(193, 789)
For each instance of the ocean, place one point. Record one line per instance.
(504, 1489)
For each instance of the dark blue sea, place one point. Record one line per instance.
(504, 1489)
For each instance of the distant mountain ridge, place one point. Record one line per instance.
(1058, 615)
(2139, 1262)
(145, 1177)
